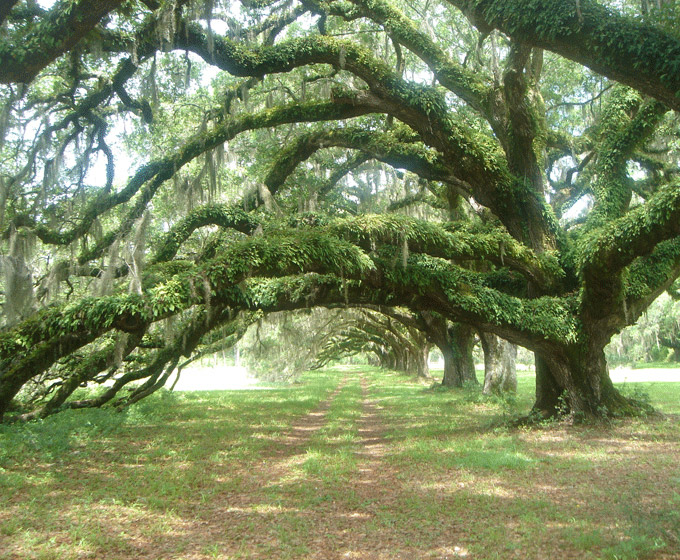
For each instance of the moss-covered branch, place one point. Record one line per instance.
(221, 339)
(34, 345)
(465, 83)
(622, 135)
(474, 157)
(225, 216)
(460, 244)
(60, 30)
(184, 343)
(615, 245)
(392, 148)
(148, 179)
(461, 295)
(79, 370)
(630, 51)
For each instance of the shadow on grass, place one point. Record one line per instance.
(213, 476)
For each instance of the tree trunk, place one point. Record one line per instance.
(400, 362)
(421, 356)
(548, 390)
(388, 360)
(673, 344)
(449, 364)
(575, 381)
(462, 372)
(675, 357)
(410, 359)
(500, 374)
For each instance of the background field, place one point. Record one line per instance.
(349, 463)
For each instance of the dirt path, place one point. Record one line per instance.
(239, 522)
(373, 529)
(301, 432)
(282, 508)
(333, 519)
(373, 489)
(277, 467)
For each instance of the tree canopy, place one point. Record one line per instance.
(173, 169)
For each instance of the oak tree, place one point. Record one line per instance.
(170, 167)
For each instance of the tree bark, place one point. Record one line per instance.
(575, 381)
(62, 28)
(421, 356)
(548, 390)
(455, 343)
(463, 371)
(450, 377)
(500, 374)
(600, 39)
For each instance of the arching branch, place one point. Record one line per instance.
(631, 52)
(64, 25)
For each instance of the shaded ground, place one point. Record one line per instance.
(354, 464)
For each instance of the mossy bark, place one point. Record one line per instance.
(60, 30)
(576, 382)
(463, 370)
(500, 374)
(622, 48)
(420, 360)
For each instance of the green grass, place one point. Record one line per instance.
(331, 454)
(664, 397)
(442, 434)
(656, 365)
(219, 475)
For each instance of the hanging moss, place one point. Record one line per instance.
(60, 29)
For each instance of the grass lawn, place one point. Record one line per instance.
(351, 463)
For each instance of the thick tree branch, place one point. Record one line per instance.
(473, 156)
(459, 245)
(5, 9)
(64, 26)
(152, 175)
(402, 151)
(628, 51)
(615, 245)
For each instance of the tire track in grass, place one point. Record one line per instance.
(377, 523)
(344, 527)
(298, 438)
(295, 505)
(301, 432)
(323, 496)
(373, 443)
(372, 489)
(328, 491)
